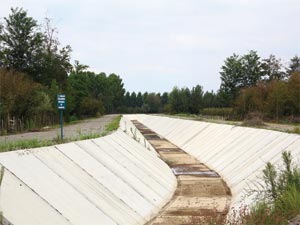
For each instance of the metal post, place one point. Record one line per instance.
(61, 124)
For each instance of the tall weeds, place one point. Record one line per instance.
(278, 197)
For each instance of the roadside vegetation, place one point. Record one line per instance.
(277, 198)
(34, 143)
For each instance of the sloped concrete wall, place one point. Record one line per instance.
(110, 180)
(238, 154)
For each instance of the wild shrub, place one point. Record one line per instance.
(253, 119)
(279, 201)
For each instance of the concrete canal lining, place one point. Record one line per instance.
(201, 193)
(110, 180)
(238, 154)
(115, 180)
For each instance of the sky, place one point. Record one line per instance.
(155, 45)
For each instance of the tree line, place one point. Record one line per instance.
(251, 84)
(34, 68)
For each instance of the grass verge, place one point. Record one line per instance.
(35, 143)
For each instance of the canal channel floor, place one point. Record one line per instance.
(201, 194)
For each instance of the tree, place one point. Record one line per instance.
(209, 99)
(79, 89)
(153, 101)
(272, 69)
(79, 68)
(126, 100)
(164, 98)
(23, 99)
(114, 93)
(252, 69)
(9, 96)
(179, 100)
(133, 100)
(26, 49)
(277, 104)
(294, 65)
(54, 62)
(231, 73)
(239, 72)
(139, 99)
(251, 99)
(91, 107)
(196, 99)
(20, 42)
(294, 92)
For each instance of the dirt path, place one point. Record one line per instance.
(200, 195)
(89, 126)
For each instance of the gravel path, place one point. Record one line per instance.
(89, 126)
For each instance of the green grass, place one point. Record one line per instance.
(296, 130)
(112, 126)
(35, 143)
(23, 144)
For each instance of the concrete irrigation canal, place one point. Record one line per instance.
(153, 170)
(200, 191)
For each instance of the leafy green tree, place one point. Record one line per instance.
(273, 69)
(164, 98)
(54, 62)
(126, 100)
(139, 99)
(294, 65)
(145, 95)
(79, 89)
(115, 93)
(294, 93)
(252, 69)
(231, 74)
(239, 72)
(196, 100)
(154, 103)
(21, 43)
(79, 68)
(15, 89)
(179, 100)
(277, 104)
(133, 100)
(251, 99)
(25, 48)
(39, 107)
(91, 107)
(209, 100)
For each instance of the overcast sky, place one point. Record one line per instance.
(155, 45)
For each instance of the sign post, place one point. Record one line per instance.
(61, 105)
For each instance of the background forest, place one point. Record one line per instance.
(34, 68)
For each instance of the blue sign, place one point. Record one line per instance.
(61, 101)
